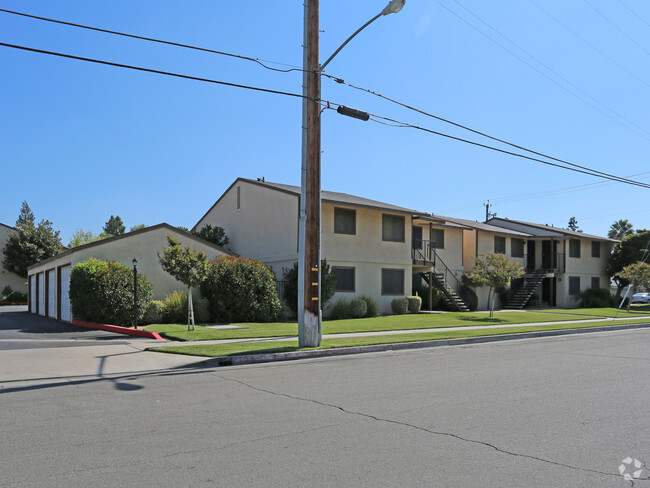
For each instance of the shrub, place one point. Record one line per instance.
(399, 305)
(102, 291)
(6, 291)
(597, 298)
(175, 308)
(201, 310)
(469, 297)
(423, 292)
(414, 304)
(358, 308)
(341, 309)
(371, 305)
(154, 313)
(241, 290)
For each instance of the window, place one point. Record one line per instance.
(574, 248)
(238, 197)
(595, 249)
(417, 237)
(438, 238)
(517, 248)
(574, 285)
(595, 282)
(499, 244)
(392, 228)
(392, 282)
(344, 279)
(345, 221)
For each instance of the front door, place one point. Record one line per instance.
(547, 255)
(530, 261)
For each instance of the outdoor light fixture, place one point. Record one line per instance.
(393, 7)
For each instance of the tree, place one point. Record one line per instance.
(573, 225)
(114, 226)
(188, 266)
(628, 251)
(81, 237)
(495, 271)
(620, 229)
(137, 227)
(637, 274)
(290, 277)
(30, 243)
(216, 235)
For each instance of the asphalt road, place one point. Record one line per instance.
(553, 412)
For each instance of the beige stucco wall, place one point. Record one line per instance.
(7, 278)
(144, 246)
(265, 226)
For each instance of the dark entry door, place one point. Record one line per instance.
(547, 255)
(530, 251)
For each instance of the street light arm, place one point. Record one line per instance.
(349, 39)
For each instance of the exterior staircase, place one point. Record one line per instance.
(449, 296)
(532, 280)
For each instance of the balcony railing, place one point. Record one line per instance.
(424, 253)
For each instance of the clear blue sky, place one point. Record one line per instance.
(80, 141)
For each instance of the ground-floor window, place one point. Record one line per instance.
(345, 279)
(574, 285)
(595, 282)
(392, 281)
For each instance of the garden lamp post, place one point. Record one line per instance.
(135, 293)
(309, 258)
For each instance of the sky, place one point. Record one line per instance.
(81, 141)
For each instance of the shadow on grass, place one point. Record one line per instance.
(488, 320)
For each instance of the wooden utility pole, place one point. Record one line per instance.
(309, 311)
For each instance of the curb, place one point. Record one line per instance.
(120, 330)
(344, 351)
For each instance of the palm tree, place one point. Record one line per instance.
(620, 229)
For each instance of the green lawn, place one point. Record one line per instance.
(635, 310)
(376, 324)
(216, 350)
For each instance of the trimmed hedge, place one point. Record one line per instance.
(399, 305)
(358, 308)
(372, 310)
(102, 291)
(414, 304)
(241, 290)
(597, 298)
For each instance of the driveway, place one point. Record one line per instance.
(35, 348)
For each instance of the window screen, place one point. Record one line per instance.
(392, 281)
(392, 228)
(345, 221)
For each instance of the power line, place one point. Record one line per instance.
(150, 70)
(573, 167)
(517, 146)
(634, 13)
(546, 75)
(159, 41)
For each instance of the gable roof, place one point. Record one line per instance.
(132, 234)
(7, 226)
(486, 227)
(544, 228)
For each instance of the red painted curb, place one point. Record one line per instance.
(120, 330)
(13, 303)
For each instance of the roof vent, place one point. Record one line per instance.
(261, 179)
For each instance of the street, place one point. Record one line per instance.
(553, 412)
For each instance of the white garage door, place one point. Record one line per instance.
(41, 293)
(65, 294)
(32, 294)
(51, 294)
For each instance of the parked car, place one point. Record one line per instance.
(641, 298)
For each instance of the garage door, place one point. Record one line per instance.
(32, 293)
(40, 289)
(51, 293)
(64, 297)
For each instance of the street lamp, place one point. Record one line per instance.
(135, 293)
(309, 257)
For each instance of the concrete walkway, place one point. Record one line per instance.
(532, 326)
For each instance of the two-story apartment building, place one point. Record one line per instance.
(563, 263)
(374, 247)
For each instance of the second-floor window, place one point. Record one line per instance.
(392, 228)
(345, 221)
(574, 248)
(499, 244)
(438, 238)
(517, 248)
(595, 249)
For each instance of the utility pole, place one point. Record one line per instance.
(309, 272)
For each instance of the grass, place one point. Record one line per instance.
(236, 349)
(376, 324)
(635, 310)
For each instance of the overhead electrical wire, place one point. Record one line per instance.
(645, 136)
(634, 13)
(159, 41)
(503, 141)
(328, 104)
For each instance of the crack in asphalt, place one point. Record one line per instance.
(423, 429)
